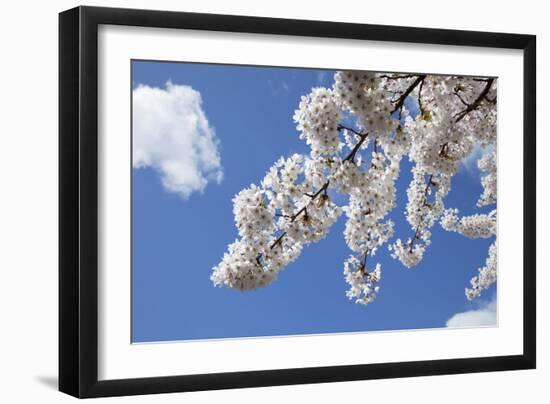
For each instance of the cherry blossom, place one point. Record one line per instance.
(474, 226)
(363, 284)
(293, 204)
(488, 164)
(487, 275)
(317, 119)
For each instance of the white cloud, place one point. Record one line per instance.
(470, 161)
(171, 134)
(486, 315)
(321, 75)
(278, 87)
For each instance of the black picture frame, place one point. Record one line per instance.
(78, 201)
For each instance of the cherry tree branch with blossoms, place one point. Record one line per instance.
(292, 207)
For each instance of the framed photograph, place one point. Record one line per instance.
(253, 201)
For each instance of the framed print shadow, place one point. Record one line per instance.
(251, 201)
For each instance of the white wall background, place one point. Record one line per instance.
(28, 201)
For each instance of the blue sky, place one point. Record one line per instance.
(177, 240)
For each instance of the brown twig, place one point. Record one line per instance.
(443, 152)
(324, 188)
(341, 127)
(456, 92)
(401, 100)
(477, 102)
(353, 152)
(397, 76)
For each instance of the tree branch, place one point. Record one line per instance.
(474, 105)
(445, 147)
(323, 189)
(353, 152)
(397, 76)
(340, 127)
(455, 92)
(302, 210)
(401, 100)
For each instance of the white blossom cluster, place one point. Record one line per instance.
(317, 119)
(363, 284)
(488, 164)
(370, 200)
(487, 275)
(359, 93)
(251, 214)
(473, 226)
(274, 223)
(476, 226)
(240, 269)
(455, 115)
(293, 207)
(408, 253)
(424, 206)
